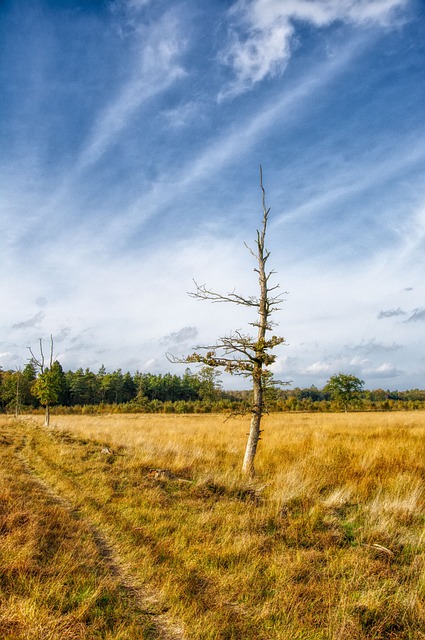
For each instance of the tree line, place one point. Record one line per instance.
(146, 392)
(86, 391)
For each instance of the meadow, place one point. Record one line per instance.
(142, 526)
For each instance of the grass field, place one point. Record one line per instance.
(326, 543)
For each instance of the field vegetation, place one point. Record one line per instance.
(85, 392)
(141, 526)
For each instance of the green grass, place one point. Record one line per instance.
(326, 543)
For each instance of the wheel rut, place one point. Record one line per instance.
(148, 603)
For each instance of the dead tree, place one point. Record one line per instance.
(243, 354)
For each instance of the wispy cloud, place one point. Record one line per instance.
(183, 114)
(180, 337)
(374, 166)
(232, 143)
(391, 313)
(262, 31)
(33, 321)
(373, 346)
(63, 334)
(155, 68)
(418, 315)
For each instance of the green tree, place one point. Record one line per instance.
(114, 386)
(46, 389)
(48, 384)
(9, 390)
(77, 387)
(60, 382)
(92, 390)
(129, 388)
(243, 354)
(16, 388)
(190, 386)
(344, 389)
(29, 375)
(210, 384)
(101, 382)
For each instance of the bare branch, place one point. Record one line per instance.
(51, 350)
(202, 293)
(254, 255)
(38, 363)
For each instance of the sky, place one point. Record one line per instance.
(131, 135)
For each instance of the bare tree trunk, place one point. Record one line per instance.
(47, 416)
(263, 325)
(255, 429)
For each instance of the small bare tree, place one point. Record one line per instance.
(244, 354)
(45, 387)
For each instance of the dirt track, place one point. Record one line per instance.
(147, 601)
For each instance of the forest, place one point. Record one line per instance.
(85, 391)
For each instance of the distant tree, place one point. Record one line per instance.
(76, 383)
(129, 388)
(190, 386)
(10, 396)
(24, 383)
(101, 382)
(242, 354)
(91, 384)
(61, 385)
(114, 386)
(344, 389)
(29, 372)
(47, 386)
(18, 393)
(210, 384)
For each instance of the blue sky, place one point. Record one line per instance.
(131, 137)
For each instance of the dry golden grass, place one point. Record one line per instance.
(326, 543)
(57, 580)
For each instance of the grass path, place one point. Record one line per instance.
(164, 628)
(49, 506)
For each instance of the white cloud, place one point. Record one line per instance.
(182, 115)
(319, 368)
(360, 367)
(262, 31)
(385, 370)
(264, 53)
